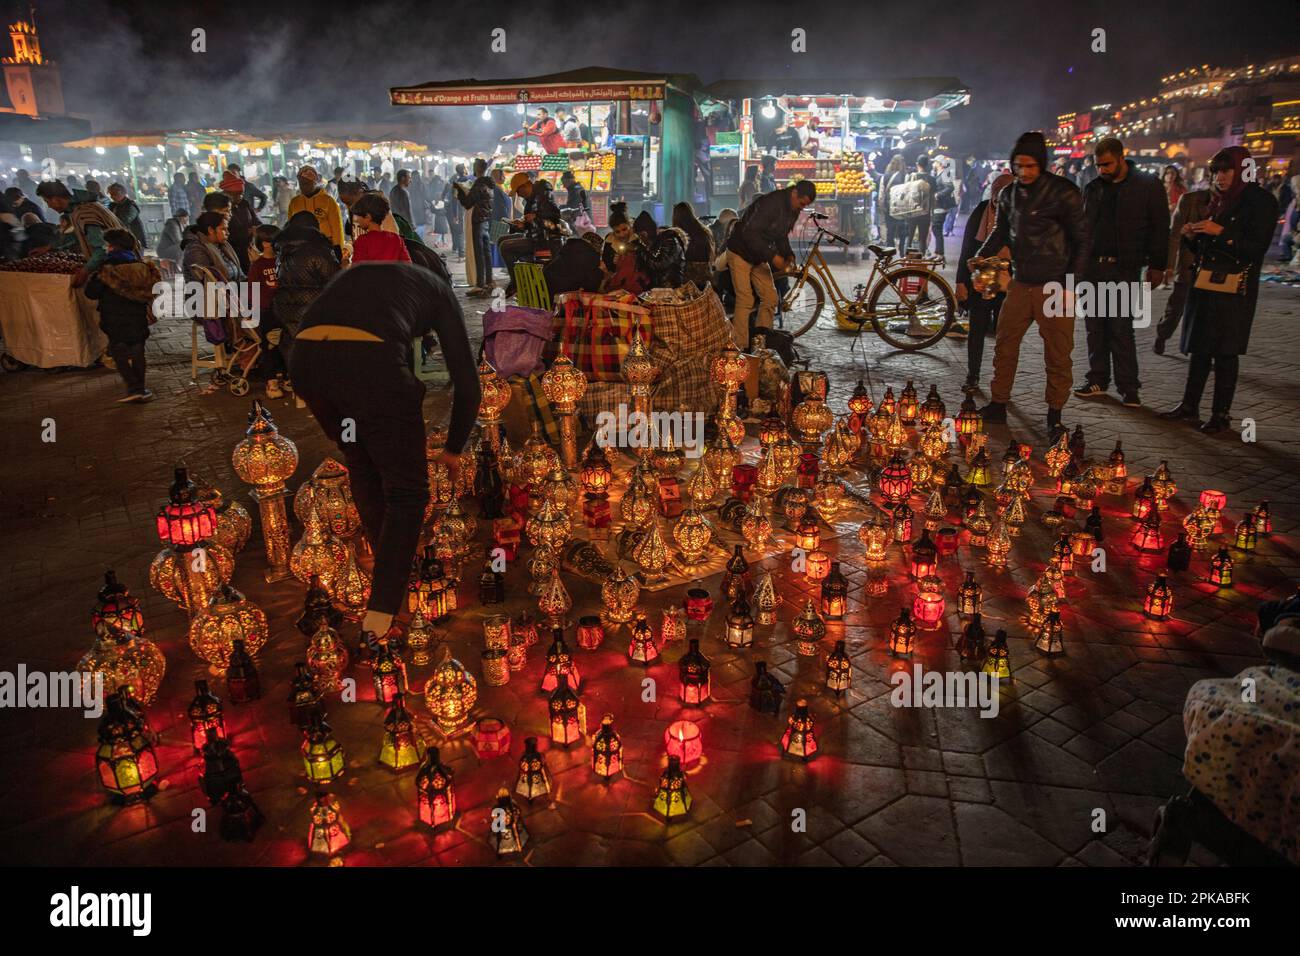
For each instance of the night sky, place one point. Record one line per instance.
(128, 64)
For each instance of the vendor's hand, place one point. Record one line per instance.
(962, 292)
(504, 138)
(79, 277)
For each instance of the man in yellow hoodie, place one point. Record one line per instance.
(315, 200)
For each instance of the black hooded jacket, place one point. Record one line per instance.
(304, 263)
(1044, 226)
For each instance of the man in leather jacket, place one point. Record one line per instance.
(539, 226)
(760, 243)
(1040, 220)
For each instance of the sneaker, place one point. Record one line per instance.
(1131, 400)
(1090, 390)
(273, 389)
(145, 396)
(1217, 423)
(994, 412)
(128, 397)
(970, 386)
(1181, 413)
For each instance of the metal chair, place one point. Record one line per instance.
(220, 360)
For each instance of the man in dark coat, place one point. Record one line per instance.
(125, 209)
(1128, 225)
(304, 262)
(759, 244)
(1216, 324)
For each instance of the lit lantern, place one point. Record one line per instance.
(318, 609)
(507, 834)
(1059, 455)
(970, 645)
(242, 682)
(607, 750)
(672, 625)
(835, 594)
(387, 670)
(808, 535)
(978, 523)
(491, 738)
(909, 407)
(221, 770)
(895, 480)
(619, 593)
(1221, 569)
(1246, 536)
(120, 657)
(946, 541)
(1165, 487)
(1200, 525)
(771, 430)
(643, 648)
(1213, 500)
(1117, 470)
(756, 526)
(766, 600)
(765, 691)
(928, 605)
(204, 712)
(435, 792)
(124, 759)
(969, 420)
(743, 478)
(1041, 601)
(534, 778)
(936, 511)
(800, 737)
(699, 605)
(402, 747)
(450, 693)
(591, 633)
(564, 708)
(998, 660)
(328, 832)
(1014, 515)
(924, 556)
(185, 520)
(839, 670)
(1146, 535)
(1068, 476)
(971, 499)
(701, 486)
(672, 798)
(322, 755)
(1144, 499)
(980, 473)
(740, 624)
(1159, 603)
(901, 634)
(933, 410)
(875, 536)
(228, 616)
(998, 547)
(860, 404)
(737, 581)
(682, 740)
(1050, 639)
(811, 417)
(432, 592)
(1263, 521)
(806, 474)
(327, 658)
(809, 628)
(934, 447)
(970, 596)
(902, 516)
(116, 609)
(817, 565)
(559, 660)
(304, 697)
(1180, 554)
(888, 404)
(554, 601)
(693, 670)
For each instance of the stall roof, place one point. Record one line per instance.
(581, 85)
(904, 88)
(21, 128)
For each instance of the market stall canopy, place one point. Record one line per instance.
(20, 128)
(909, 89)
(572, 86)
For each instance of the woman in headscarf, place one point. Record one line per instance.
(1230, 246)
(983, 312)
(699, 244)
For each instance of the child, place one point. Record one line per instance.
(124, 286)
(373, 244)
(261, 269)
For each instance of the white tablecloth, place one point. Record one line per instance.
(46, 322)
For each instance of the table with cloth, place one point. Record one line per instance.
(47, 323)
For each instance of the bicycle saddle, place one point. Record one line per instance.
(881, 252)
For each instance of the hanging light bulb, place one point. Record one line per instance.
(486, 114)
(769, 110)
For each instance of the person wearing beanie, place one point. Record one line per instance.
(251, 192)
(1040, 226)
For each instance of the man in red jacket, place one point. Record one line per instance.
(374, 244)
(544, 129)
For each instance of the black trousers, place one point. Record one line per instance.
(372, 411)
(1173, 310)
(983, 320)
(1110, 337)
(129, 358)
(1225, 381)
(514, 247)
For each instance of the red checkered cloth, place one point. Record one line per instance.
(596, 331)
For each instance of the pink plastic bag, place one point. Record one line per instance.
(513, 339)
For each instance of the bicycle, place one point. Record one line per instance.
(909, 305)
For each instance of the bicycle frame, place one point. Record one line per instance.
(817, 263)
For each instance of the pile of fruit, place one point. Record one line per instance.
(825, 187)
(528, 162)
(48, 263)
(558, 161)
(825, 169)
(850, 160)
(852, 182)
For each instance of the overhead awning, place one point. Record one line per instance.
(910, 89)
(21, 128)
(592, 83)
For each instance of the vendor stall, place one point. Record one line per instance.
(826, 131)
(625, 135)
(45, 321)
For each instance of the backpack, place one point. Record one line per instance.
(910, 200)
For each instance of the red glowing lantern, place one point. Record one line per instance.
(388, 671)
(435, 792)
(1221, 569)
(969, 420)
(924, 556)
(699, 605)
(806, 473)
(927, 608)
(693, 669)
(643, 648)
(896, 480)
(902, 521)
(491, 738)
(1144, 499)
(185, 520)
(835, 593)
(1213, 500)
(607, 749)
(1147, 536)
(566, 711)
(591, 633)
(1159, 603)
(743, 478)
(683, 741)
(559, 661)
(800, 737)
(946, 541)
(807, 532)
(205, 712)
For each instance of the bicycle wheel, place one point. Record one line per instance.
(803, 304)
(911, 307)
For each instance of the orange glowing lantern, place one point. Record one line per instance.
(902, 633)
(693, 670)
(970, 596)
(559, 660)
(1213, 500)
(1147, 536)
(835, 593)
(800, 737)
(896, 480)
(1159, 603)
(564, 708)
(924, 556)
(435, 792)
(817, 565)
(607, 750)
(839, 669)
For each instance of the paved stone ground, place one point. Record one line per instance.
(1100, 727)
